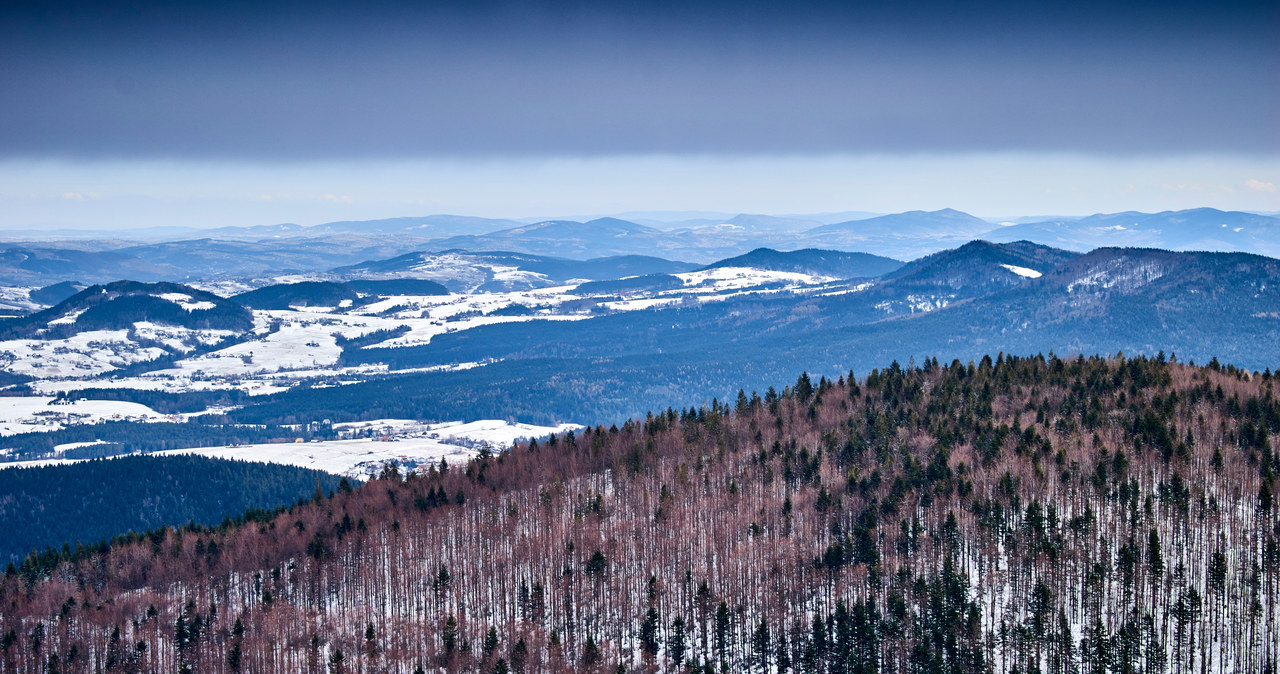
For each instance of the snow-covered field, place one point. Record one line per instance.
(287, 347)
(355, 458)
(32, 414)
(498, 434)
(82, 355)
(468, 272)
(409, 443)
(290, 346)
(737, 278)
(17, 299)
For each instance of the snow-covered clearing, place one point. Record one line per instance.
(357, 458)
(1022, 271)
(187, 302)
(30, 414)
(81, 355)
(179, 338)
(734, 278)
(499, 434)
(407, 442)
(17, 299)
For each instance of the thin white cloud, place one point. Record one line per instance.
(1259, 185)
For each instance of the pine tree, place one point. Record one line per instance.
(519, 656)
(1155, 561)
(676, 641)
(722, 632)
(760, 642)
(490, 641)
(649, 632)
(782, 653)
(449, 636)
(590, 651)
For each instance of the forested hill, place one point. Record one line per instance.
(1026, 514)
(87, 502)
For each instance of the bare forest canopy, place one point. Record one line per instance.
(1015, 515)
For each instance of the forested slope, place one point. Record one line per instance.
(1084, 515)
(86, 502)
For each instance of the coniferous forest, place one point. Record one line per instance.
(1017, 514)
(84, 503)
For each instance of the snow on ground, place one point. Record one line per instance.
(224, 288)
(441, 307)
(409, 443)
(638, 304)
(37, 463)
(1022, 271)
(848, 290)
(29, 414)
(515, 275)
(288, 346)
(305, 340)
(421, 332)
(356, 458)
(379, 427)
(85, 354)
(63, 448)
(18, 299)
(471, 270)
(712, 285)
(499, 434)
(175, 381)
(1118, 272)
(299, 278)
(155, 381)
(186, 301)
(732, 278)
(68, 319)
(179, 338)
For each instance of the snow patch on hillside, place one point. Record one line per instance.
(1022, 271)
(17, 299)
(187, 302)
(1118, 273)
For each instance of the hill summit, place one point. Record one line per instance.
(1014, 514)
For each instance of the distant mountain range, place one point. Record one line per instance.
(981, 298)
(1198, 229)
(642, 332)
(278, 250)
(462, 271)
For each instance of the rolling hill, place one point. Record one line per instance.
(1013, 513)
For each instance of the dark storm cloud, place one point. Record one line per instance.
(318, 80)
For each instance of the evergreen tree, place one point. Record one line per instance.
(649, 632)
(760, 642)
(676, 641)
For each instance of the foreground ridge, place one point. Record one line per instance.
(1021, 514)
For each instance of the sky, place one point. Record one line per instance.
(132, 114)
